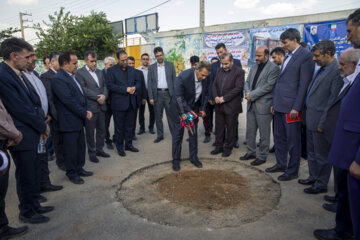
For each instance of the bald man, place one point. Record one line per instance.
(259, 88)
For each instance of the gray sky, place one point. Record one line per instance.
(175, 14)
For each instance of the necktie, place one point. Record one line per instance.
(313, 83)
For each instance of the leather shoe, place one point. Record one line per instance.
(257, 162)
(103, 154)
(44, 209)
(42, 199)
(122, 153)
(176, 166)
(76, 180)
(247, 157)
(236, 144)
(244, 142)
(141, 131)
(315, 190)
(287, 177)
(50, 188)
(151, 131)
(329, 234)
(197, 163)
(332, 199)
(93, 159)
(7, 232)
(306, 181)
(226, 153)
(207, 139)
(109, 146)
(272, 150)
(216, 151)
(275, 168)
(331, 207)
(132, 149)
(158, 139)
(34, 219)
(83, 173)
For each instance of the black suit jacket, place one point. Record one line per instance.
(46, 78)
(70, 103)
(141, 93)
(21, 105)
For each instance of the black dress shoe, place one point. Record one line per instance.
(158, 139)
(187, 139)
(197, 163)
(236, 144)
(151, 131)
(306, 181)
(176, 166)
(76, 180)
(258, 144)
(7, 232)
(272, 150)
(287, 177)
(315, 190)
(50, 188)
(257, 162)
(36, 218)
(216, 151)
(275, 168)
(62, 167)
(207, 139)
(247, 157)
(331, 207)
(332, 199)
(44, 209)
(84, 173)
(132, 149)
(244, 142)
(103, 154)
(226, 153)
(42, 199)
(141, 131)
(329, 234)
(109, 146)
(93, 159)
(121, 153)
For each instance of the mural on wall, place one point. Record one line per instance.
(236, 43)
(335, 31)
(180, 48)
(268, 36)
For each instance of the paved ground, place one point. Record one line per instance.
(91, 211)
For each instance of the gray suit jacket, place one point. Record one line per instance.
(322, 96)
(261, 97)
(153, 79)
(91, 88)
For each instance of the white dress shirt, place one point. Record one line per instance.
(145, 72)
(93, 74)
(76, 82)
(348, 81)
(198, 88)
(162, 83)
(288, 57)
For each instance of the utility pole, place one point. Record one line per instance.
(202, 14)
(22, 21)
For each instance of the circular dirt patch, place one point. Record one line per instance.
(222, 194)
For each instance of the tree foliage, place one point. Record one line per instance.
(79, 34)
(8, 33)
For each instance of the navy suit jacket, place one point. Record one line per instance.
(185, 89)
(211, 78)
(346, 142)
(291, 87)
(21, 105)
(117, 84)
(140, 93)
(70, 103)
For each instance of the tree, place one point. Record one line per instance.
(8, 33)
(79, 34)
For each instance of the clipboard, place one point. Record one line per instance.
(289, 120)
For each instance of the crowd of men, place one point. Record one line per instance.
(65, 109)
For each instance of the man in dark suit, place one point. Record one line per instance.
(108, 63)
(227, 91)
(322, 92)
(347, 65)
(122, 81)
(141, 93)
(288, 101)
(46, 78)
(208, 125)
(344, 152)
(92, 81)
(72, 111)
(22, 104)
(161, 83)
(191, 93)
(259, 88)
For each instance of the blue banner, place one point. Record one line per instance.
(332, 30)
